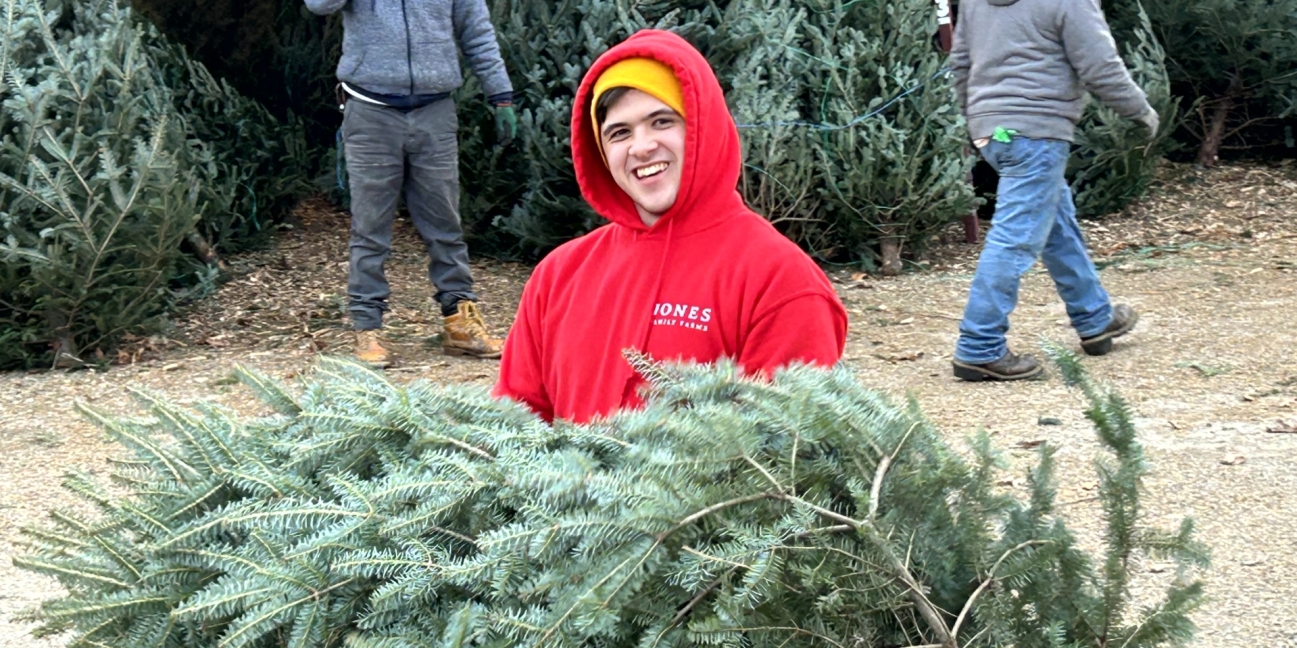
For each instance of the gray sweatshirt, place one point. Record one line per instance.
(1023, 64)
(408, 47)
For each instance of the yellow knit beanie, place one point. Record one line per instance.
(641, 73)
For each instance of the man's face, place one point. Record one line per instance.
(644, 143)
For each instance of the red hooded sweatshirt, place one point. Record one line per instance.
(710, 279)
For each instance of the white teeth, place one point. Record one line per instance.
(647, 171)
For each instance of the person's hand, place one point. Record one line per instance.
(506, 124)
(1150, 122)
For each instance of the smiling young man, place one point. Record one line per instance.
(684, 271)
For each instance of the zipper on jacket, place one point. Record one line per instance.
(409, 57)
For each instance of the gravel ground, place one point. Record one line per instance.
(1209, 262)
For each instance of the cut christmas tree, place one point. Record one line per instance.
(807, 511)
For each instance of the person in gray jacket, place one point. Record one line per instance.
(1021, 68)
(399, 66)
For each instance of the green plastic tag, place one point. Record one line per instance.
(1003, 135)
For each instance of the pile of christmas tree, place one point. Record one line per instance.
(807, 511)
(124, 165)
(852, 143)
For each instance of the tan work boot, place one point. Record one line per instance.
(370, 349)
(466, 335)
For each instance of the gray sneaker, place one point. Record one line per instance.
(1124, 319)
(1009, 367)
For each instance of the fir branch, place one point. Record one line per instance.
(986, 582)
(876, 490)
(645, 366)
(898, 569)
(270, 391)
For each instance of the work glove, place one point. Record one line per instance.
(1150, 122)
(506, 124)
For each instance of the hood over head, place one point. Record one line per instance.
(712, 160)
(643, 74)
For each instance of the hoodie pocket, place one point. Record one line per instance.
(435, 62)
(349, 65)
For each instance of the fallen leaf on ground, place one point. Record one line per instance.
(1282, 427)
(903, 357)
(1233, 459)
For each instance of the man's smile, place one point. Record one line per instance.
(650, 170)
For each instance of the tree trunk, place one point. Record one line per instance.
(66, 355)
(972, 226)
(1208, 153)
(891, 248)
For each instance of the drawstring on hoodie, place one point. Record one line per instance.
(657, 288)
(653, 302)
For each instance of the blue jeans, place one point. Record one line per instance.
(1034, 219)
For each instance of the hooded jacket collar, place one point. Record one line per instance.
(712, 160)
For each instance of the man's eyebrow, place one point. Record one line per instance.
(661, 111)
(608, 128)
(656, 113)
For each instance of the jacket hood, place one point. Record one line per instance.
(712, 161)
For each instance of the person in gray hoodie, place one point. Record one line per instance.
(399, 66)
(1021, 69)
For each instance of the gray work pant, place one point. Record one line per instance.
(389, 151)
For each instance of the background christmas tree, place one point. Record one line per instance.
(116, 151)
(892, 166)
(769, 70)
(1235, 63)
(1115, 159)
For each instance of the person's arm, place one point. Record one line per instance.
(476, 37)
(1093, 54)
(811, 328)
(521, 368)
(959, 64)
(325, 7)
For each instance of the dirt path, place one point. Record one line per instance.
(1210, 262)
